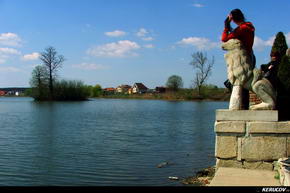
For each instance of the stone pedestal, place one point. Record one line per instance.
(250, 139)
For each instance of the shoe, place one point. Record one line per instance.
(285, 162)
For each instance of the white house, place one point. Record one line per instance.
(139, 88)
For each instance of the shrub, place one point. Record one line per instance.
(284, 73)
(70, 90)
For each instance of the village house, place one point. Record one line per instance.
(2, 93)
(123, 89)
(109, 90)
(139, 88)
(12, 91)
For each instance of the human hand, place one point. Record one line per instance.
(270, 67)
(230, 16)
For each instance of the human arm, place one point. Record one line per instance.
(236, 34)
(227, 23)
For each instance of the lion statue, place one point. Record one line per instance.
(288, 52)
(242, 74)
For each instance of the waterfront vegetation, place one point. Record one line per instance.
(65, 90)
(209, 92)
(72, 90)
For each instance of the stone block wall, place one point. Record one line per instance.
(250, 139)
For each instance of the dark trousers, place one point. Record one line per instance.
(245, 99)
(245, 92)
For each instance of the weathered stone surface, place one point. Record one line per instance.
(226, 147)
(269, 127)
(228, 163)
(230, 127)
(239, 158)
(288, 147)
(246, 115)
(265, 148)
(258, 165)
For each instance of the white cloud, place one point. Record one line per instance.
(149, 46)
(116, 33)
(124, 48)
(6, 53)
(260, 44)
(144, 35)
(199, 42)
(9, 51)
(142, 32)
(90, 66)
(10, 39)
(9, 69)
(198, 5)
(33, 56)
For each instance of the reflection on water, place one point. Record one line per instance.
(104, 142)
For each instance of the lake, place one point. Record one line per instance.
(104, 142)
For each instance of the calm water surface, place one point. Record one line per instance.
(104, 142)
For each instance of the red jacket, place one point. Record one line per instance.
(245, 32)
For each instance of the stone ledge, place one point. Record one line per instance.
(230, 127)
(269, 127)
(246, 115)
(259, 165)
(228, 163)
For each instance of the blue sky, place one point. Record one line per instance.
(114, 42)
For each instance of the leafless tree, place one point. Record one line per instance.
(52, 61)
(202, 67)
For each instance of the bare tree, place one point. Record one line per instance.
(52, 61)
(203, 68)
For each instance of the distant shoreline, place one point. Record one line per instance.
(160, 96)
(166, 97)
(177, 100)
(136, 98)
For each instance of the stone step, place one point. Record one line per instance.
(246, 115)
(244, 177)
